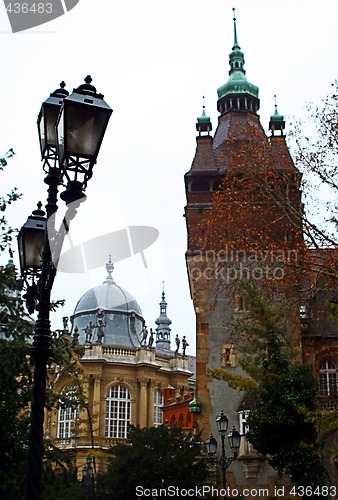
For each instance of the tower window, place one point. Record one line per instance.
(158, 413)
(199, 185)
(118, 405)
(328, 383)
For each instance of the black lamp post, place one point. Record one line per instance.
(234, 439)
(88, 475)
(75, 167)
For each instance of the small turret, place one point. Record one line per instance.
(163, 326)
(276, 121)
(203, 122)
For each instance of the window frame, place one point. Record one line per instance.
(117, 412)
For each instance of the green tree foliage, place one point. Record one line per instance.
(59, 477)
(284, 391)
(153, 458)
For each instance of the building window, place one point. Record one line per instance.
(243, 422)
(118, 405)
(158, 412)
(228, 357)
(68, 412)
(328, 382)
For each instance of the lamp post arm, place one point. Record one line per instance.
(56, 238)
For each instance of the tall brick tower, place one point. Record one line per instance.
(219, 166)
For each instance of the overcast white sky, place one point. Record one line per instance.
(153, 60)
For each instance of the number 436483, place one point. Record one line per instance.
(35, 8)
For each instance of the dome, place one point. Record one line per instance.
(108, 314)
(108, 296)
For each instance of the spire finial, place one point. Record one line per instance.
(163, 294)
(235, 29)
(110, 269)
(276, 112)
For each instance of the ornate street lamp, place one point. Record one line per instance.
(80, 133)
(234, 439)
(75, 166)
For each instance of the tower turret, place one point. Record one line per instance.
(237, 93)
(203, 122)
(163, 326)
(276, 121)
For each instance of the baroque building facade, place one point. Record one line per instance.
(127, 375)
(217, 260)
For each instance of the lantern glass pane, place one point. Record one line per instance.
(85, 130)
(42, 132)
(33, 249)
(51, 115)
(61, 135)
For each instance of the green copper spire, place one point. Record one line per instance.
(276, 120)
(235, 32)
(237, 85)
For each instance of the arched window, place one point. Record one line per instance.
(181, 420)
(158, 403)
(68, 411)
(328, 383)
(172, 422)
(117, 412)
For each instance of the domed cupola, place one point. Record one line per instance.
(237, 93)
(277, 122)
(203, 124)
(108, 314)
(163, 326)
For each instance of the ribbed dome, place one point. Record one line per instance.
(115, 308)
(108, 296)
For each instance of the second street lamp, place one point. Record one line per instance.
(234, 439)
(75, 166)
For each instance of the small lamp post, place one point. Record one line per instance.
(69, 160)
(87, 475)
(234, 439)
